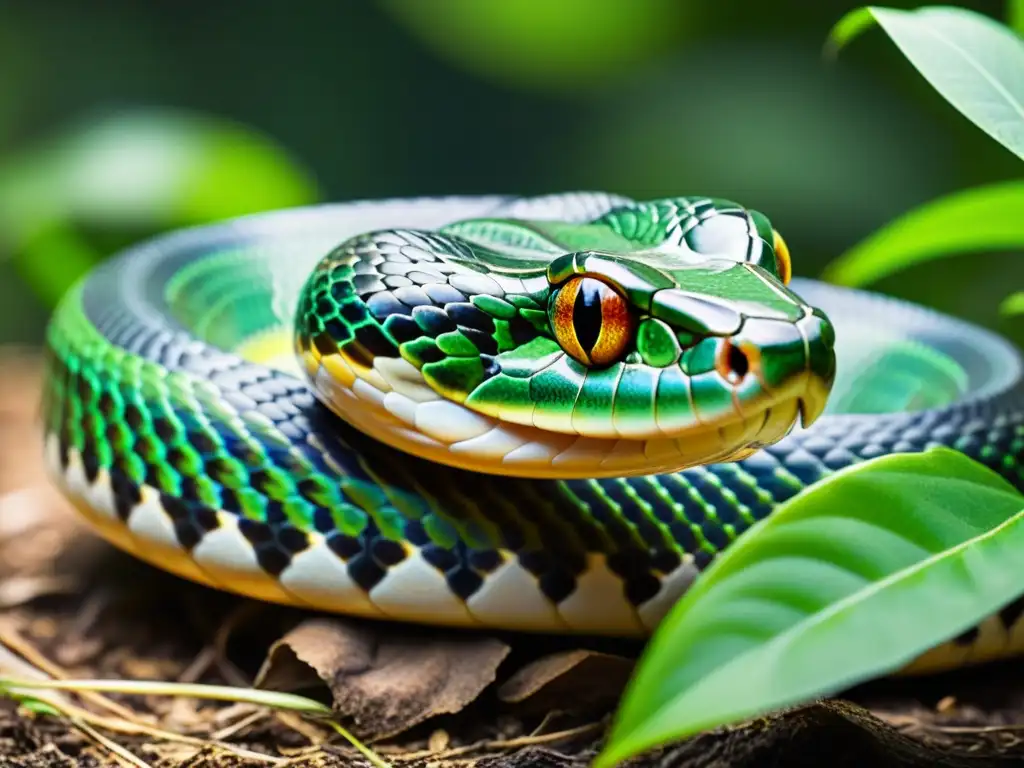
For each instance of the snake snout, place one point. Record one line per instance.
(774, 362)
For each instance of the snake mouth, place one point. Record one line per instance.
(810, 410)
(449, 433)
(807, 416)
(740, 439)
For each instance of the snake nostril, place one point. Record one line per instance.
(732, 363)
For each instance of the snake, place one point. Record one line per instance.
(541, 414)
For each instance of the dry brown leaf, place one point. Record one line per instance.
(568, 681)
(383, 679)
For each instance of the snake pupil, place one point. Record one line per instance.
(587, 314)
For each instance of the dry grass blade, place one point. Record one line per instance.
(240, 725)
(121, 753)
(12, 639)
(305, 728)
(34, 678)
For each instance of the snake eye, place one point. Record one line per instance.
(782, 261)
(591, 321)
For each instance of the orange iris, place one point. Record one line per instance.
(591, 321)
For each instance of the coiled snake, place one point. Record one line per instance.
(541, 414)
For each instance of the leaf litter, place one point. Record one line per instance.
(384, 679)
(72, 606)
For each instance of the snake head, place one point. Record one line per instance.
(566, 349)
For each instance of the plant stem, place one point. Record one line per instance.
(193, 690)
(274, 699)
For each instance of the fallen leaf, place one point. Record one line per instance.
(569, 681)
(383, 679)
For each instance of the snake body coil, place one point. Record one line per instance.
(539, 414)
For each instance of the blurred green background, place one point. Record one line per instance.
(121, 119)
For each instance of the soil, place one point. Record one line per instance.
(72, 606)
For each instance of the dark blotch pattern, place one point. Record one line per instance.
(400, 296)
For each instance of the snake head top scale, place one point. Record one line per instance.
(658, 336)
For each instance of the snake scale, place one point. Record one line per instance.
(541, 414)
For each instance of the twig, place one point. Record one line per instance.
(544, 723)
(975, 728)
(222, 636)
(62, 706)
(525, 741)
(196, 668)
(521, 741)
(138, 729)
(240, 724)
(90, 613)
(214, 654)
(271, 699)
(109, 744)
(304, 728)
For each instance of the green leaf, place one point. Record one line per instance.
(1013, 304)
(152, 168)
(129, 175)
(1015, 15)
(853, 578)
(988, 217)
(973, 61)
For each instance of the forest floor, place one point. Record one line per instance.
(72, 606)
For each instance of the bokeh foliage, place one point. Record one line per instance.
(276, 106)
(65, 204)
